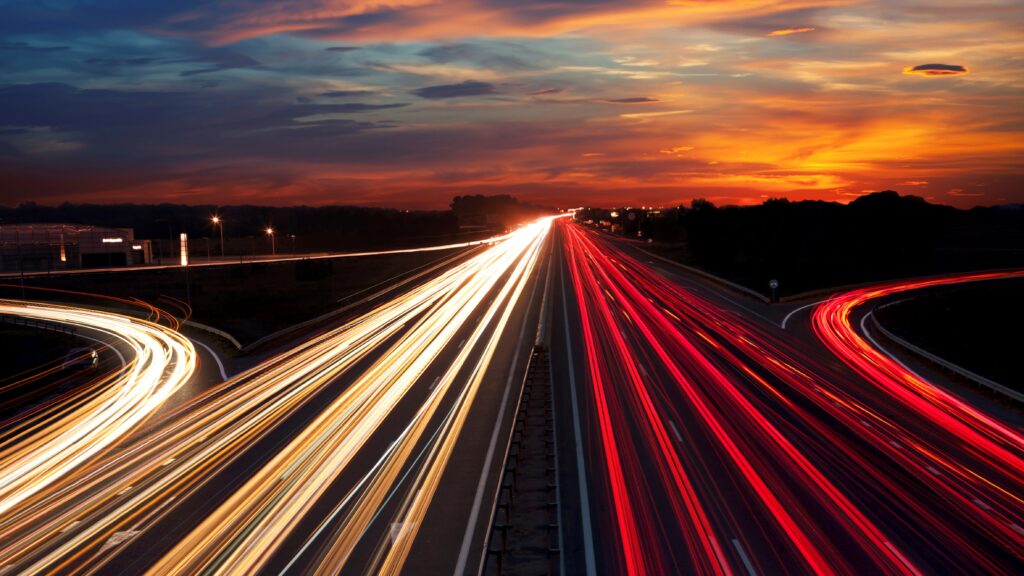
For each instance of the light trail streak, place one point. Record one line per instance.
(41, 449)
(802, 466)
(831, 321)
(243, 534)
(122, 494)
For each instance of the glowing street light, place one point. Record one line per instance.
(273, 247)
(220, 223)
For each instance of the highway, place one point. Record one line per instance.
(309, 461)
(695, 435)
(699, 437)
(42, 446)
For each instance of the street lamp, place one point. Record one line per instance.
(220, 223)
(273, 246)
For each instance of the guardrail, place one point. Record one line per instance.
(11, 320)
(526, 503)
(963, 372)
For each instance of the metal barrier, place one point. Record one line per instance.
(524, 532)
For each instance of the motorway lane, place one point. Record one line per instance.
(786, 463)
(45, 446)
(120, 499)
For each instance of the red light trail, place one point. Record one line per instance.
(782, 460)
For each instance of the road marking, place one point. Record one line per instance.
(474, 515)
(743, 556)
(1017, 528)
(125, 491)
(434, 383)
(933, 470)
(118, 538)
(895, 444)
(982, 505)
(461, 344)
(675, 430)
(883, 350)
(903, 559)
(795, 310)
(866, 423)
(588, 535)
(216, 358)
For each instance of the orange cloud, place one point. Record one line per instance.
(960, 192)
(788, 31)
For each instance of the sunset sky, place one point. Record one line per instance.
(564, 103)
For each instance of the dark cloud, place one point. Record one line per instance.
(26, 47)
(219, 60)
(467, 88)
(780, 23)
(162, 128)
(117, 62)
(341, 48)
(937, 70)
(547, 91)
(494, 57)
(633, 100)
(347, 93)
(351, 107)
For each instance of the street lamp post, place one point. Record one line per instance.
(273, 245)
(219, 223)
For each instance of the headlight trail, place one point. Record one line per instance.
(243, 533)
(722, 434)
(45, 447)
(78, 526)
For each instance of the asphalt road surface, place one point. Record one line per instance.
(369, 448)
(695, 435)
(705, 439)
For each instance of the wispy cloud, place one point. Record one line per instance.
(789, 31)
(460, 90)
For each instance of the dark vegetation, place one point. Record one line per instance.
(813, 244)
(499, 212)
(975, 326)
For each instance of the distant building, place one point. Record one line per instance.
(35, 247)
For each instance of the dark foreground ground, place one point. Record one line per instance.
(974, 326)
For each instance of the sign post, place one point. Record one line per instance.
(773, 284)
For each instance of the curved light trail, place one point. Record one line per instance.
(721, 445)
(831, 321)
(53, 442)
